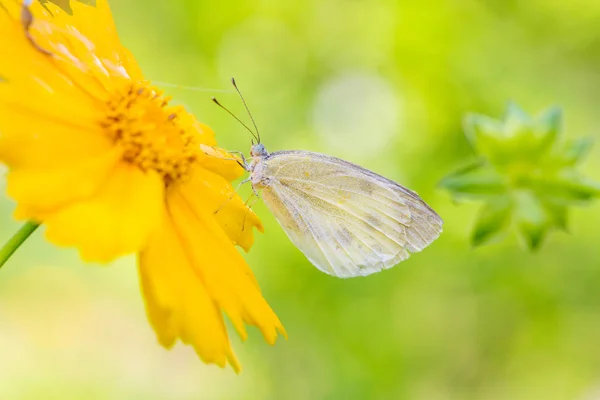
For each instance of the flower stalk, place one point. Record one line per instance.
(16, 241)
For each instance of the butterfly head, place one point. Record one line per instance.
(258, 150)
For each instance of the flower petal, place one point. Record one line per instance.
(96, 24)
(222, 269)
(217, 196)
(37, 85)
(214, 159)
(73, 53)
(177, 302)
(220, 162)
(39, 143)
(114, 222)
(44, 190)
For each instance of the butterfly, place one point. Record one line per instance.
(347, 220)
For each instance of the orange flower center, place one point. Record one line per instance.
(154, 135)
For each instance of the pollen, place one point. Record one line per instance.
(153, 134)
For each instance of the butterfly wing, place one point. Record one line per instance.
(347, 220)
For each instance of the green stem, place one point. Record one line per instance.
(16, 240)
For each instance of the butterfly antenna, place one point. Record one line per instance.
(247, 109)
(254, 135)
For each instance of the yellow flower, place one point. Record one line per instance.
(98, 156)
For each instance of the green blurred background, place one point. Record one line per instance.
(384, 84)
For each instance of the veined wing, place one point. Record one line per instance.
(347, 220)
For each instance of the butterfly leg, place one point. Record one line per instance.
(249, 206)
(244, 163)
(232, 194)
(241, 156)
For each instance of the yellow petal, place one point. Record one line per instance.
(36, 84)
(97, 25)
(222, 269)
(208, 191)
(35, 143)
(214, 159)
(78, 64)
(78, 61)
(177, 302)
(116, 221)
(45, 190)
(220, 162)
(205, 133)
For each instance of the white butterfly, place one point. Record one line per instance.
(348, 221)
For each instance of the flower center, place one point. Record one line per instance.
(154, 135)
